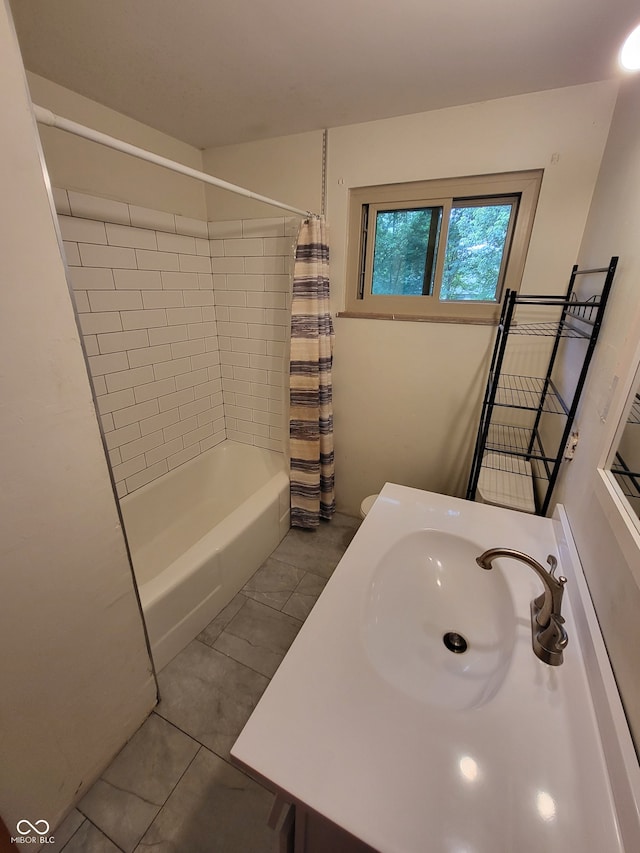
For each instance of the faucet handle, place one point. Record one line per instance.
(554, 638)
(553, 564)
(560, 581)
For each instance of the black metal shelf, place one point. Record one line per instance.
(528, 392)
(517, 450)
(513, 442)
(550, 330)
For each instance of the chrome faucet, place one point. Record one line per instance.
(548, 635)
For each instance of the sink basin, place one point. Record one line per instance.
(371, 725)
(436, 626)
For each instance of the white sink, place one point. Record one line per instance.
(436, 626)
(372, 726)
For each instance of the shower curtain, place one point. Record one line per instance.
(311, 410)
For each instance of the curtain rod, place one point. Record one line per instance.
(44, 116)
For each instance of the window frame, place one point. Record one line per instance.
(361, 302)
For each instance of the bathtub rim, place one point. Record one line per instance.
(201, 573)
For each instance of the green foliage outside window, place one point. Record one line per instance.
(475, 246)
(400, 251)
(473, 258)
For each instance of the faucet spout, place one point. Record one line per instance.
(545, 609)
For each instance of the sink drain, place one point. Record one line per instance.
(455, 642)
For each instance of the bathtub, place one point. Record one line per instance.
(197, 535)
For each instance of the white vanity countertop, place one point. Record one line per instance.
(525, 771)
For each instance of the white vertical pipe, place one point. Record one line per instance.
(44, 116)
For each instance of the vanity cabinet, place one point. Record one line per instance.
(538, 368)
(314, 834)
(301, 830)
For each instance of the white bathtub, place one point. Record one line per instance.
(197, 535)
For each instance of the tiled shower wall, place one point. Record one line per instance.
(252, 264)
(170, 383)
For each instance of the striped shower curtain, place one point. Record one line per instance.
(311, 410)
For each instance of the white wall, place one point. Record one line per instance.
(287, 168)
(75, 674)
(251, 262)
(78, 164)
(608, 542)
(406, 395)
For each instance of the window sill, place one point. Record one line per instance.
(466, 321)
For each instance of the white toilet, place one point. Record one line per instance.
(366, 505)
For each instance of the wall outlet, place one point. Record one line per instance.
(570, 449)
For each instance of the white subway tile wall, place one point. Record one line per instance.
(252, 262)
(185, 324)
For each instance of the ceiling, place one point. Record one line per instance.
(213, 73)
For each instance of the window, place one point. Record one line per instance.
(442, 250)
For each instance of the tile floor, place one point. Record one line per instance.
(172, 788)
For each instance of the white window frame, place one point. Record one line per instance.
(361, 302)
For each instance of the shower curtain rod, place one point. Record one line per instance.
(44, 116)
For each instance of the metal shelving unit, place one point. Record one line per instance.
(526, 419)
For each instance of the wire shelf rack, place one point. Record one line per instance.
(549, 329)
(575, 321)
(506, 453)
(529, 392)
(515, 443)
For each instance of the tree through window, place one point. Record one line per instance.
(448, 255)
(477, 248)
